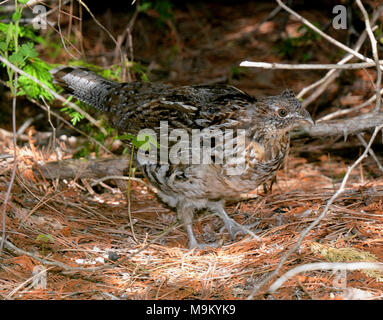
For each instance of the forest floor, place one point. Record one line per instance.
(61, 229)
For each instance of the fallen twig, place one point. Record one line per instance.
(124, 178)
(324, 35)
(15, 159)
(342, 127)
(374, 53)
(318, 66)
(70, 270)
(350, 266)
(371, 152)
(339, 113)
(333, 74)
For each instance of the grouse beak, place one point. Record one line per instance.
(305, 116)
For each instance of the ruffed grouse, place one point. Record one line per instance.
(249, 144)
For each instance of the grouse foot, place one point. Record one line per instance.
(231, 225)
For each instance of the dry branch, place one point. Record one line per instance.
(324, 35)
(343, 112)
(374, 53)
(331, 75)
(318, 66)
(15, 160)
(350, 266)
(341, 127)
(94, 169)
(335, 69)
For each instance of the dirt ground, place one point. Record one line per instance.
(65, 232)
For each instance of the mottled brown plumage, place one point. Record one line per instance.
(184, 186)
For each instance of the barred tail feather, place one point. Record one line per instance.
(84, 85)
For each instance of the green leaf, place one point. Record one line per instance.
(9, 32)
(73, 114)
(144, 78)
(17, 59)
(126, 136)
(40, 70)
(28, 50)
(30, 33)
(145, 141)
(3, 46)
(44, 238)
(144, 7)
(16, 16)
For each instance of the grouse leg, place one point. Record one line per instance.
(231, 225)
(185, 215)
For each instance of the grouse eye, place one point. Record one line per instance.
(282, 112)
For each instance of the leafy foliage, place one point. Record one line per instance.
(75, 116)
(145, 141)
(40, 70)
(44, 238)
(24, 57)
(17, 45)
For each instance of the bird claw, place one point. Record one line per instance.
(235, 228)
(193, 243)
